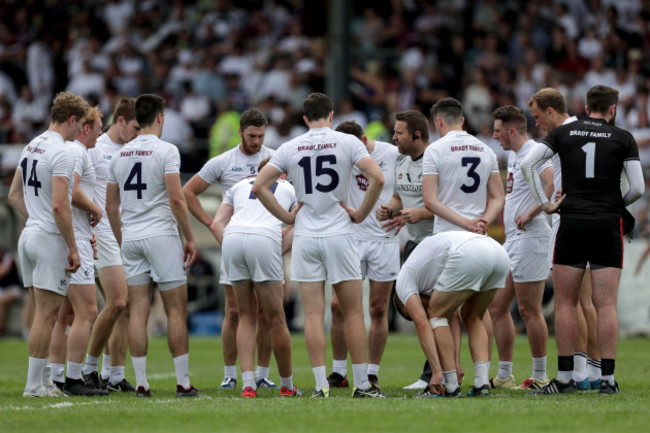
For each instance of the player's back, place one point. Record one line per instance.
(463, 165)
(139, 169)
(44, 157)
(319, 165)
(592, 153)
(101, 156)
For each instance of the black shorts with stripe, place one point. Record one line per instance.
(598, 242)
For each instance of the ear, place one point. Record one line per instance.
(587, 109)
(330, 117)
(241, 133)
(306, 120)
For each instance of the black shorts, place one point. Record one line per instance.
(598, 242)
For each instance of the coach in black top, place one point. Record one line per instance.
(593, 153)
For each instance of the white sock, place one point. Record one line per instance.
(539, 368)
(286, 382)
(140, 369)
(609, 379)
(117, 375)
(106, 367)
(480, 374)
(58, 372)
(564, 376)
(230, 371)
(580, 366)
(74, 370)
(451, 380)
(182, 364)
(47, 374)
(373, 369)
(593, 369)
(35, 373)
(340, 366)
(320, 374)
(505, 370)
(248, 377)
(360, 373)
(91, 364)
(261, 372)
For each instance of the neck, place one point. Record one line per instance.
(320, 123)
(605, 117)
(370, 146)
(153, 129)
(444, 129)
(519, 142)
(59, 128)
(113, 135)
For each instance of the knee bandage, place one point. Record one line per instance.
(438, 321)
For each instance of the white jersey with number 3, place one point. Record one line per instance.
(139, 169)
(319, 165)
(463, 164)
(44, 157)
(250, 216)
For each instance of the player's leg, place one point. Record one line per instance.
(118, 343)
(27, 313)
(59, 344)
(229, 338)
(313, 298)
(378, 333)
(338, 378)
(504, 334)
(264, 348)
(591, 320)
(247, 309)
(140, 305)
(529, 296)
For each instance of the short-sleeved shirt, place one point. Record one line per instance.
(101, 156)
(592, 153)
(139, 169)
(370, 229)
(319, 165)
(84, 167)
(463, 164)
(408, 186)
(46, 156)
(250, 216)
(232, 166)
(520, 199)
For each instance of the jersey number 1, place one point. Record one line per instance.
(138, 185)
(305, 163)
(590, 161)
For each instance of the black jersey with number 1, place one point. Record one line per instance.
(592, 153)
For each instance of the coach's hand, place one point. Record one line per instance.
(394, 223)
(383, 212)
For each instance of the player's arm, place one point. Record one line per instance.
(192, 189)
(433, 204)
(634, 173)
(538, 155)
(63, 218)
(372, 172)
(113, 202)
(178, 206)
(81, 201)
(16, 195)
(221, 220)
(262, 190)
(549, 189)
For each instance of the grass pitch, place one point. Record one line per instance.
(225, 411)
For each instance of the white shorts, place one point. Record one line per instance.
(379, 260)
(108, 251)
(252, 257)
(528, 258)
(475, 265)
(223, 275)
(158, 259)
(43, 259)
(331, 258)
(85, 275)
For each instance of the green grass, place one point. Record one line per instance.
(225, 411)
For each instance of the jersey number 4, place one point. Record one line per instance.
(138, 185)
(305, 163)
(471, 173)
(33, 180)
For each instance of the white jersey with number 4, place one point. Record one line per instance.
(232, 166)
(139, 169)
(463, 164)
(84, 167)
(250, 216)
(385, 155)
(319, 165)
(101, 156)
(44, 157)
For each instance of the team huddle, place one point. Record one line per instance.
(106, 209)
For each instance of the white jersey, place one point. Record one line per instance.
(139, 169)
(250, 216)
(463, 164)
(232, 166)
(101, 156)
(520, 199)
(84, 167)
(319, 165)
(385, 155)
(408, 186)
(44, 157)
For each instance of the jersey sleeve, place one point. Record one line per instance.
(430, 161)
(550, 140)
(278, 160)
(358, 149)
(172, 162)
(494, 161)
(211, 171)
(227, 198)
(631, 148)
(111, 170)
(63, 164)
(80, 163)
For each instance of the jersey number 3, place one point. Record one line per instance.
(138, 185)
(471, 173)
(305, 163)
